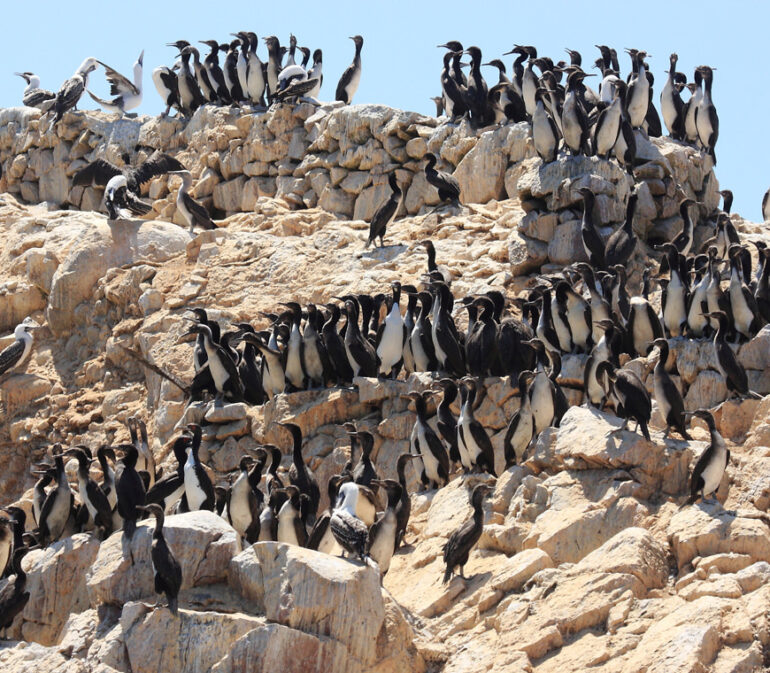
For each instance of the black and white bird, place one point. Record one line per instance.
(192, 211)
(351, 517)
(708, 471)
(118, 198)
(127, 94)
(68, 96)
(447, 185)
(100, 171)
(166, 85)
(13, 357)
(34, 96)
(386, 213)
(351, 78)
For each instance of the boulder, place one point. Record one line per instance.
(202, 542)
(704, 529)
(56, 581)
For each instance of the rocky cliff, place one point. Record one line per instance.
(586, 560)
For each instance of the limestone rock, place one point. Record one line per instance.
(202, 542)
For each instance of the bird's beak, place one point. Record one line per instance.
(141, 58)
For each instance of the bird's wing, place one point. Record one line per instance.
(98, 172)
(296, 89)
(136, 205)
(200, 215)
(10, 356)
(157, 164)
(118, 83)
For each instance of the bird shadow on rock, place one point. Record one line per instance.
(385, 254)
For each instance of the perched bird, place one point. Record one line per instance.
(118, 198)
(351, 518)
(68, 96)
(168, 572)
(130, 490)
(34, 96)
(348, 84)
(385, 213)
(383, 535)
(667, 395)
(727, 364)
(13, 598)
(711, 466)
(13, 357)
(127, 94)
(447, 185)
(192, 211)
(629, 394)
(165, 81)
(458, 548)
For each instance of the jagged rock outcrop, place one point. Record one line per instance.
(586, 561)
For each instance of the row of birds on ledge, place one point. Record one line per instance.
(243, 79)
(588, 121)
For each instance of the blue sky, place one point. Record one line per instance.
(401, 64)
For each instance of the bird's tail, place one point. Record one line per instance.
(173, 605)
(100, 101)
(447, 575)
(645, 430)
(129, 528)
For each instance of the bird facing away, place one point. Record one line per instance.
(168, 572)
(458, 547)
(385, 214)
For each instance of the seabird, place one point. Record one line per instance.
(706, 118)
(426, 445)
(130, 489)
(68, 96)
(473, 443)
(667, 395)
(34, 96)
(118, 197)
(127, 94)
(198, 488)
(291, 529)
(100, 171)
(168, 572)
(385, 213)
(629, 394)
(230, 70)
(458, 547)
(58, 503)
(190, 96)
(244, 499)
(545, 135)
(214, 72)
(727, 364)
(383, 535)
(192, 211)
(391, 337)
(592, 241)
(351, 517)
(521, 427)
(447, 185)
(711, 466)
(13, 357)
(348, 84)
(255, 77)
(165, 80)
(316, 73)
(300, 474)
(13, 598)
(92, 496)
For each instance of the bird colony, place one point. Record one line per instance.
(605, 339)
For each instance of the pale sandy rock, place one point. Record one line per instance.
(566, 244)
(202, 542)
(517, 570)
(156, 640)
(57, 587)
(226, 413)
(526, 254)
(21, 389)
(708, 390)
(583, 442)
(632, 551)
(705, 529)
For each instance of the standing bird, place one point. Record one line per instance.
(727, 364)
(118, 198)
(300, 474)
(192, 211)
(447, 185)
(391, 337)
(383, 535)
(34, 96)
(198, 488)
(351, 518)
(622, 242)
(127, 94)
(92, 495)
(545, 135)
(68, 96)
(629, 394)
(13, 598)
(166, 85)
(130, 489)
(711, 466)
(592, 241)
(426, 444)
(386, 213)
(706, 118)
(13, 357)
(473, 442)
(458, 547)
(168, 572)
(58, 503)
(667, 395)
(348, 84)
